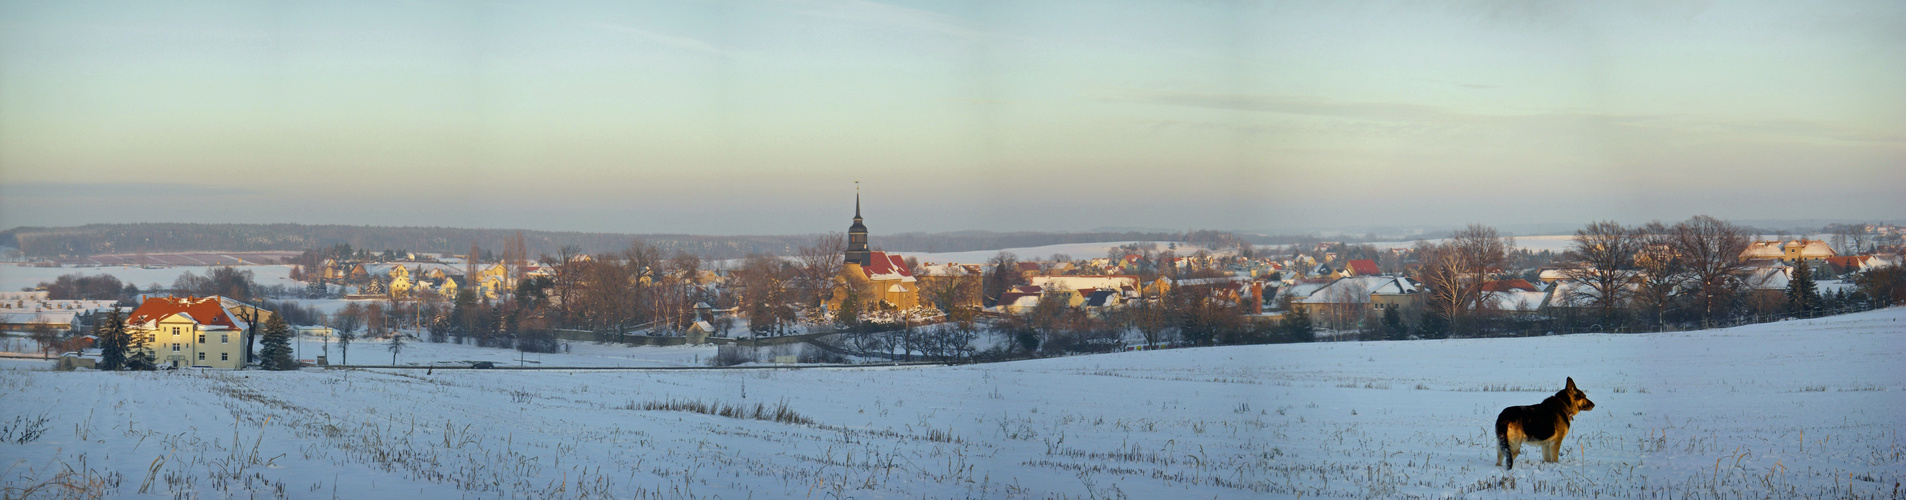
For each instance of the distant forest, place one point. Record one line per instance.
(99, 239)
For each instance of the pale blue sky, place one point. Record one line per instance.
(756, 117)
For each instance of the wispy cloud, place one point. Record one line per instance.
(1440, 116)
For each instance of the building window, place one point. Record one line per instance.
(175, 331)
(224, 356)
(224, 338)
(201, 356)
(201, 338)
(175, 347)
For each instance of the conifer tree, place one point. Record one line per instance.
(1297, 325)
(110, 335)
(1393, 321)
(138, 356)
(276, 354)
(1803, 298)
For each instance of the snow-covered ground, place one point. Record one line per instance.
(1807, 408)
(16, 277)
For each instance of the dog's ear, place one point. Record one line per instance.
(1571, 382)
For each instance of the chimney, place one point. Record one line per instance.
(1257, 297)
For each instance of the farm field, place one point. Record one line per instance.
(1807, 408)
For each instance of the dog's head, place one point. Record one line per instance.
(1576, 399)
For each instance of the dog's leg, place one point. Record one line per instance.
(1502, 447)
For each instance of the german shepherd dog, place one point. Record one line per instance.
(1544, 423)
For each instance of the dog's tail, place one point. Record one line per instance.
(1502, 440)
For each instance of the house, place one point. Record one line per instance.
(1361, 267)
(1789, 251)
(1087, 283)
(24, 311)
(1513, 295)
(1348, 302)
(193, 331)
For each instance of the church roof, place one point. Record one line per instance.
(886, 266)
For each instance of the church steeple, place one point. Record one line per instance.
(857, 235)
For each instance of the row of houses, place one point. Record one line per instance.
(23, 311)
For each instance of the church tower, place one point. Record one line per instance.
(857, 237)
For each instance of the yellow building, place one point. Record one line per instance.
(190, 331)
(884, 281)
(884, 284)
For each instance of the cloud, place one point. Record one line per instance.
(67, 190)
(1769, 128)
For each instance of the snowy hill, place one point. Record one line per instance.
(1791, 409)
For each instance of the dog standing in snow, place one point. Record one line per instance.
(1544, 423)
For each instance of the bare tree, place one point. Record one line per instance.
(819, 264)
(346, 322)
(1661, 270)
(1711, 249)
(764, 295)
(1001, 274)
(1456, 269)
(45, 336)
(568, 281)
(1603, 258)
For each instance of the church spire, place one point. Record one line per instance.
(857, 252)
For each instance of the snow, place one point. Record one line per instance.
(1034, 254)
(15, 277)
(372, 351)
(1791, 409)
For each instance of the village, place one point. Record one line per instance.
(841, 301)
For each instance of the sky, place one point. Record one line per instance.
(716, 117)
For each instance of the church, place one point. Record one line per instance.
(882, 281)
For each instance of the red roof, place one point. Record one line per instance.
(206, 311)
(885, 263)
(1029, 266)
(1364, 267)
(1847, 262)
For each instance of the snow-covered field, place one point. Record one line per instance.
(1795, 409)
(580, 354)
(16, 277)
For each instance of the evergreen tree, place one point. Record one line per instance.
(849, 314)
(138, 356)
(1803, 299)
(1297, 326)
(276, 354)
(110, 335)
(396, 346)
(1393, 321)
(1434, 325)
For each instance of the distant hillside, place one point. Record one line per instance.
(97, 239)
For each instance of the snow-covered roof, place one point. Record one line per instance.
(1118, 282)
(886, 266)
(1360, 289)
(209, 311)
(44, 317)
